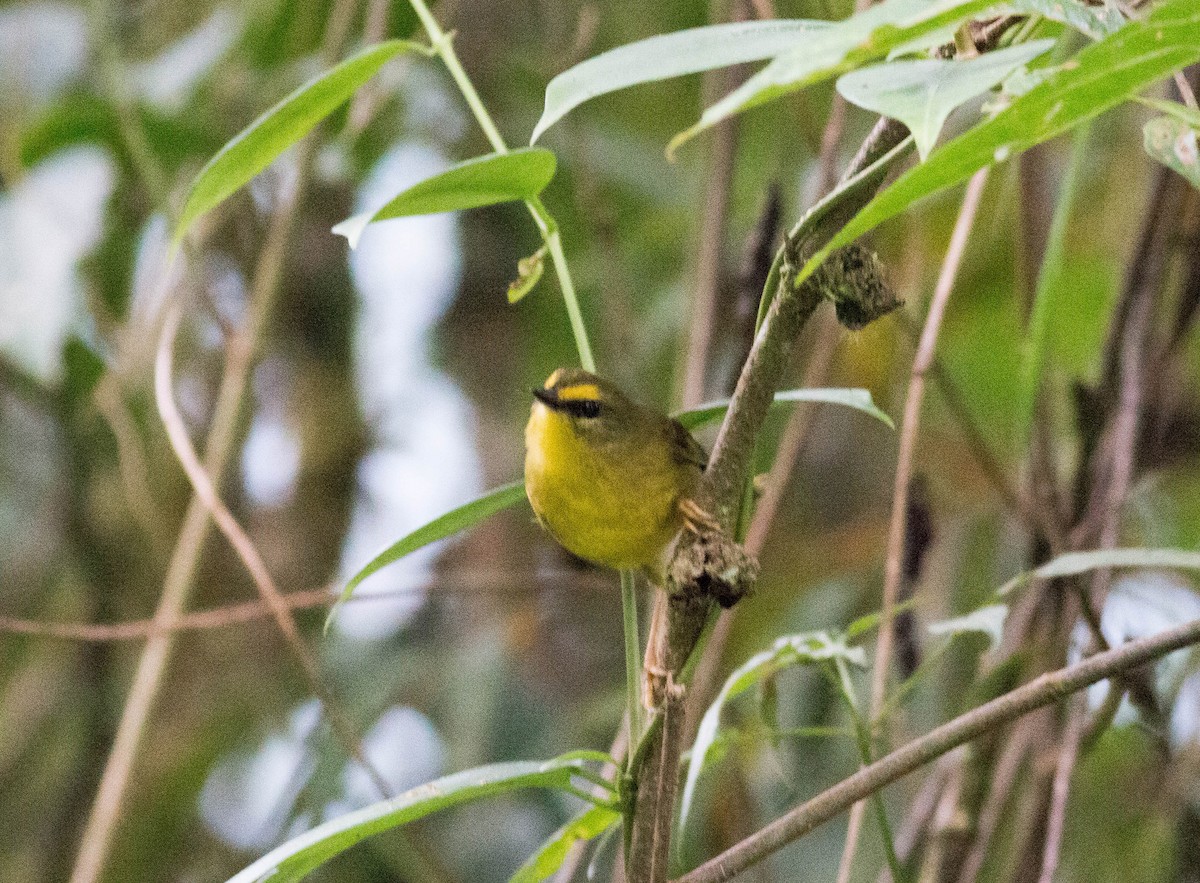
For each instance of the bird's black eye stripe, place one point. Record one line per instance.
(586, 408)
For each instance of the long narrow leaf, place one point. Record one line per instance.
(549, 858)
(845, 45)
(279, 128)
(300, 855)
(858, 399)
(474, 183)
(467, 515)
(1100, 77)
(666, 56)
(1074, 563)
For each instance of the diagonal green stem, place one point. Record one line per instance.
(443, 44)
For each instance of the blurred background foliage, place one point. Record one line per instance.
(393, 385)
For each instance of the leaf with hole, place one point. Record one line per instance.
(1096, 22)
(665, 56)
(842, 47)
(858, 399)
(921, 94)
(1173, 143)
(301, 855)
(1101, 76)
(475, 183)
(467, 515)
(279, 128)
(786, 652)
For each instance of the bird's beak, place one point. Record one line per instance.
(546, 396)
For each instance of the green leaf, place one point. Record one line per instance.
(483, 180)
(858, 399)
(666, 56)
(300, 855)
(1101, 76)
(986, 620)
(549, 858)
(788, 651)
(1096, 22)
(921, 94)
(1173, 143)
(280, 127)
(1074, 563)
(843, 46)
(467, 515)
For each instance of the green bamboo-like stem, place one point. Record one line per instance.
(633, 668)
(443, 43)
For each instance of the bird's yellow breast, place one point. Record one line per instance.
(613, 504)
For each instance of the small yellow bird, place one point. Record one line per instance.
(613, 483)
(609, 479)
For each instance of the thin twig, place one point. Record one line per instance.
(177, 585)
(1067, 755)
(465, 582)
(1004, 777)
(1040, 692)
(206, 492)
(714, 221)
(893, 565)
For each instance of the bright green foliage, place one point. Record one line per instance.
(921, 94)
(666, 56)
(296, 858)
(280, 127)
(1101, 76)
(544, 863)
(869, 35)
(454, 521)
(485, 180)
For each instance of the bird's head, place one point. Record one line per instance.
(595, 407)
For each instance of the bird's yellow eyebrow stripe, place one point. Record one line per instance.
(579, 392)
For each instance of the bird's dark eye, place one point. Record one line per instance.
(588, 408)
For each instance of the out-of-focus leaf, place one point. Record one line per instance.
(986, 620)
(256, 146)
(483, 180)
(1173, 143)
(529, 273)
(1096, 22)
(549, 858)
(788, 651)
(301, 855)
(1052, 281)
(1101, 76)
(921, 94)
(666, 56)
(843, 46)
(1074, 563)
(858, 399)
(467, 515)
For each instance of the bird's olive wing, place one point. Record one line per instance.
(685, 448)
